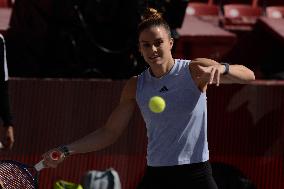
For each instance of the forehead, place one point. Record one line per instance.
(153, 33)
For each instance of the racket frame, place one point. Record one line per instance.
(25, 168)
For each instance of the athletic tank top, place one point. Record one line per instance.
(178, 135)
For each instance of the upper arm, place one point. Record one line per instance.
(121, 115)
(129, 90)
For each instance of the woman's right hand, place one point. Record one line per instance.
(53, 157)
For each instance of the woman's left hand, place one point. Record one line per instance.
(210, 74)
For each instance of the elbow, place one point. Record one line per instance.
(249, 77)
(253, 77)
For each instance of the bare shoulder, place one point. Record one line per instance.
(129, 90)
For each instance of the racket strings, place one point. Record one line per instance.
(14, 177)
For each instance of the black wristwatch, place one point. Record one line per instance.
(227, 68)
(64, 150)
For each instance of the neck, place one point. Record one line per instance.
(159, 71)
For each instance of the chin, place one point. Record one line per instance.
(158, 61)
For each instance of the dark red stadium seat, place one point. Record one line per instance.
(202, 9)
(240, 16)
(241, 10)
(275, 11)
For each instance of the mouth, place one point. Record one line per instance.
(154, 57)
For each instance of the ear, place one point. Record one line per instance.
(171, 42)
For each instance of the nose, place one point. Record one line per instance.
(154, 48)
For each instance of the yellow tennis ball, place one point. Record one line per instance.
(157, 104)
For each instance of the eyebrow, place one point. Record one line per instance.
(158, 39)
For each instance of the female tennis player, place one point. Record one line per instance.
(177, 151)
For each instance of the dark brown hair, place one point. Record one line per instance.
(152, 18)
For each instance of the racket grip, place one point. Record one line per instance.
(40, 165)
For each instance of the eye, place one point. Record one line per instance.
(158, 43)
(145, 45)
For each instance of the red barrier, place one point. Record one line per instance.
(245, 128)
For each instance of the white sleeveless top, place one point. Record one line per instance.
(178, 135)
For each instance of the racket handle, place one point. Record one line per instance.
(40, 165)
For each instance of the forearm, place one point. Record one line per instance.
(107, 135)
(95, 141)
(104, 136)
(238, 74)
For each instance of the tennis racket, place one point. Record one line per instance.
(16, 175)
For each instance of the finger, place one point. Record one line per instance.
(212, 74)
(49, 164)
(218, 77)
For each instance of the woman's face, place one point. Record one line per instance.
(155, 45)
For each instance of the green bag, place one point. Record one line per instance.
(61, 184)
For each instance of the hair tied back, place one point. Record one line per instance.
(151, 13)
